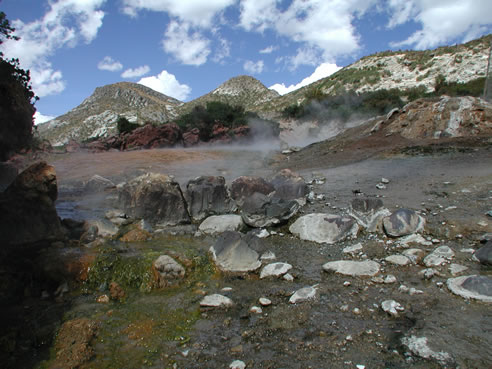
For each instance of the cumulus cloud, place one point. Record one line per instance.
(223, 51)
(65, 24)
(322, 71)
(109, 64)
(324, 29)
(167, 84)
(186, 46)
(41, 118)
(137, 72)
(441, 21)
(254, 67)
(196, 12)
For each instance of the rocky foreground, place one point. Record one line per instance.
(379, 264)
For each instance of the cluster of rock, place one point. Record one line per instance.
(152, 136)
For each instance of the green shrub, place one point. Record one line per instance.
(125, 126)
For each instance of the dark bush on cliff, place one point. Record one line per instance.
(223, 114)
(125, 126)
(16, 100)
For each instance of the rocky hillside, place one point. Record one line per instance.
(401, 70)
(97, 115)
(242, 90)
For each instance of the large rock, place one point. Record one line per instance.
(27, 208)
(221, 223)
(484, 254)
(207, 195)
(324, 228)
(232, 253)
(260, 210)
(476, 287)
(367, 268)
(289, 185)
(245, 186)
(403, 222)
(157, 198)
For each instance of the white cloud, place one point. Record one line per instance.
(41, 118)
(268, 50)
(224, 51)
(109, 64)
(323, 29)
(137, 72)
(197, 12)
(441, 20)
(322, 71)
(167, 84)
(187, 47)
(254, 67)
(65, 24)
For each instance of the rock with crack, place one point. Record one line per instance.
(475, 287)
(207, 195)
(304, 294)
(157, 198)
(324, 228)
(259, 210)
(366, 268)
(216, 224)
(216, 300)
(275, 270)
(167, 271)
(403, 222)
(232, 253)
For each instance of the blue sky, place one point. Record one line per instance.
(186, 48)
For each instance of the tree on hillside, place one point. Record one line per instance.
(16, 99)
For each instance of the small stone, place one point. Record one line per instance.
(367, 268)
(237, 364)
(352, 249)
(268, 256)
(288, 277)
(403, 289)
(398, 260)
(304, 294)
(347, 283)
(255, 310)
(263, 233)
(392, 307)
(390, 279)
(216, 300)
(385, 180)
(264, 301)
(456, 269)
(377, 279)
(344, 308)
(227, 289)
(427, 273)
(275, 270)
(439, 256)
(380, 186)
(356, 311)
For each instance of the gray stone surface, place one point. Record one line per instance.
(304, 294)
(157, 198)
(207, 195)
(403, 222)
(221, 223)
(439, 256)
(275, 270)
(367, 268)
(232, 253)
(472, 287)
(324, 228)
(484, 254)
(398, 260)
(216, 300)
(419, 346)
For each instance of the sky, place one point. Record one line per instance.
(187, 48)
